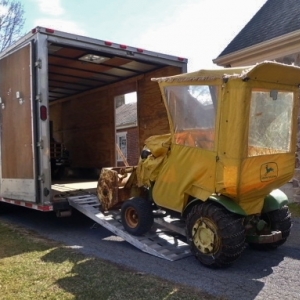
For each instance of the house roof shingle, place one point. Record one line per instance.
(126, 115)
(274, 19)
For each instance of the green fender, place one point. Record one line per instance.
(275, 200)
(223, 200)
(228, 204)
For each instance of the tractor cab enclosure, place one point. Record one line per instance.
(233, 135)
(231, 145)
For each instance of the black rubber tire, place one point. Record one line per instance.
(279, 219)
(227, 229)
(137, 216)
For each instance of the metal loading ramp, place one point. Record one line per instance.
(158, 242)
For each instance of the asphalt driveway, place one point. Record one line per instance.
(256, 275)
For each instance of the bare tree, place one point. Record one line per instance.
(11, 22)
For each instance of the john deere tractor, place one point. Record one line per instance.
(231, 145)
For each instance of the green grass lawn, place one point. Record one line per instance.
(32, 267)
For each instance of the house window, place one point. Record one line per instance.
(121, 146)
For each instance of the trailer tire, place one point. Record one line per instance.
(279, 219)
(137, 216)
(215, 235)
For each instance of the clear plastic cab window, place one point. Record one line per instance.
(270, 122)
(193, 114)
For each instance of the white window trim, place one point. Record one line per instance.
(123, 148)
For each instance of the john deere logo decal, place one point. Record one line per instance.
(268, 171)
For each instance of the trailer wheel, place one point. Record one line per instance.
(215, 235)
(137, 216)
(279, 219)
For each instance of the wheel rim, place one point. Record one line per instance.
(132, 218)
(205, 236)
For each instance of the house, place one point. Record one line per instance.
(273, 33)
(127, 142)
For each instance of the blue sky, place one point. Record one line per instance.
(196, 29)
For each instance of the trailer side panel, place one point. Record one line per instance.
(17, 139)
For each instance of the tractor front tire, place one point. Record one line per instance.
(137, 216)
(215, 235)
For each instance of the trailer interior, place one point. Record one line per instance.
(58, 96)
(83, 86)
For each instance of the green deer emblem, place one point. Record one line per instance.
(268, 170)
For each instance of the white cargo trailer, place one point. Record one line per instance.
(56, 86)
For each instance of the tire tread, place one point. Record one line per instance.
(232, 245)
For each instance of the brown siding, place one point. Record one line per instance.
(56, 118)
(152, 115)
(133, 151)
(85, 124)
(16, 137)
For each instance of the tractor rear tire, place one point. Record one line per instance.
(215, 235)
(137, 216)
(279, 219)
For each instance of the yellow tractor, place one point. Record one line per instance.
(231, 145)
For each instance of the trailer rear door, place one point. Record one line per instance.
(18, 173)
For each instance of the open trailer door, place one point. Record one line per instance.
(18, 153)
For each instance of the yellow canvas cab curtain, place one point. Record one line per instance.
(233, 132)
